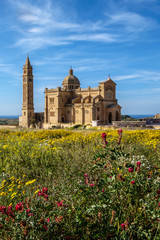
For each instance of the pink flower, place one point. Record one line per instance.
(102, 190)
(103, 135)
(105, 165)
(123, 226)
(48, 219)
(92, 184)
(138, 163)
(85, 175)
(110, 177)
(130, 169)
(119, 131)
(133, 182)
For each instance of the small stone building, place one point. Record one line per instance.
(70, 104)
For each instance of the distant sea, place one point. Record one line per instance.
(136, 116)
(9, 117)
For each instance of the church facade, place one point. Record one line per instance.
(70, 104)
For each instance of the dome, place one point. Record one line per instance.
(71, 82)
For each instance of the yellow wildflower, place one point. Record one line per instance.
(13, 195)
(11, 178)
(2, 193)
(30, 182)
(36, 191)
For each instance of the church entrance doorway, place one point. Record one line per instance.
(110, 118)
(62, 119)
(116, 115)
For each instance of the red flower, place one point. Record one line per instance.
(19, 206)
(45, 190)
(130, 169)
(59, 203)
(28, 210)
(133, 182)
(159, 204)
(30, 214)
(102, 190)
(123, 226)
(2, 209)
(92, 184)
(10, 208)
(138, 163)
(105, 165)
(46, 197)
(158, 192)
(48, 219)
(85, 175)
(45, 227)
(103, 135)
(40, 193)
(119, 131)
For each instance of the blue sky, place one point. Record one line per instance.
(95, 37)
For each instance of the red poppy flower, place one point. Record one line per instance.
(138, 163)
(130, 169)
(103, 135)
(123, 226)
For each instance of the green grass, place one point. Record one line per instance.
(76, 206)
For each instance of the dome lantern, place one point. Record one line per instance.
(71, 82)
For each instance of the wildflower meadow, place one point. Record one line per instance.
(66, 184)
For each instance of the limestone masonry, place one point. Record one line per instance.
(70, 104)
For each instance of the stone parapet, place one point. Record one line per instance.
(129, 123)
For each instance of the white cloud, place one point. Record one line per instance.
(130, 21)
(48, 24)
(126, 77)
(140, 76)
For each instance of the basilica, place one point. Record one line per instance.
(70, 104)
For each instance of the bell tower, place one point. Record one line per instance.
(27, 106)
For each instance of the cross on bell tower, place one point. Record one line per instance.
(27, 106)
